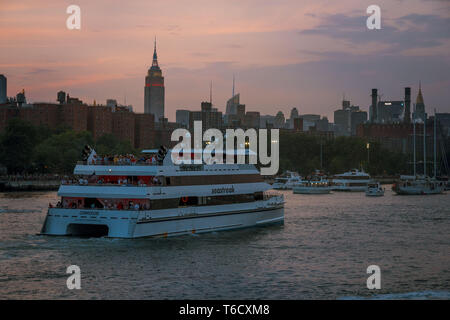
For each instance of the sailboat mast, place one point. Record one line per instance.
(414, 143)
(434, 151)
(425, 147)
(320, 153)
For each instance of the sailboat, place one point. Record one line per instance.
(420, 184)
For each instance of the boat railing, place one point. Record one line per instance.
(117, 163)
(105, 184)
(273, 195)
(51, 206)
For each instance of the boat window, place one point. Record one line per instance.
(259, 196)
(92, 203)
(163, 204)
(188, 201)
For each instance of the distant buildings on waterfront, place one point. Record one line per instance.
(347, 119)
(387, 121)
(2, 89)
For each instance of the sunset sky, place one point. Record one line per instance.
(284, 54)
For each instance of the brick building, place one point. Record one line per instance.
(123, 123)
(74, 116)
(144, 130)
(99, 121)
(398, 137)
(138, 129)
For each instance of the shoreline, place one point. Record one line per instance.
(29, 185)
(53, 185)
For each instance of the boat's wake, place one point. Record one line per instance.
(415, 295)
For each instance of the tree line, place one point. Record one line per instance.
(302, 153)
(25, 148)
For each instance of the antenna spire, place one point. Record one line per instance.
(233, 84)
(210, 92)
(155, 57)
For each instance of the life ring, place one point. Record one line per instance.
(184, 199)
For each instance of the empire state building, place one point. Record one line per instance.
(154, 90)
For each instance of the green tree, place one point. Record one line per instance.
(300, 152)
(60, 152)
(109, 144)
(17, 145)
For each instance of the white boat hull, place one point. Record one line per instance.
(138, 224)
(379, 193)
(349, 188)
(282, 186)
(311, 190)
(417, 191)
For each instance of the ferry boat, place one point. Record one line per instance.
(316, 184)
(374, 189)
(286, 181)
(135, 199)
(354, 180)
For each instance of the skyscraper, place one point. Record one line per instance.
(2, 89)
(232, 104)
(407, 115)
(419, 112)
(154, 90)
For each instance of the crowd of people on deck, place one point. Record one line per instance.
(106, 180)
(128, 159)
(107, 204)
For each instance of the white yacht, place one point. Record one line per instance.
(354, 180)
(417, 185)
(135, 199)
(286, 181)
(420, 184)
(316, 184)
(374, 189)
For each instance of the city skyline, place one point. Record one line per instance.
(283, 61)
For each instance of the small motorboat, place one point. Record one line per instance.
(374, 189)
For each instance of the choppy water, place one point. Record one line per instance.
(322, 251)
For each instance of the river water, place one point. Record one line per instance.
(321, 252)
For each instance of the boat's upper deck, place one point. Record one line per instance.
(165, 170)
